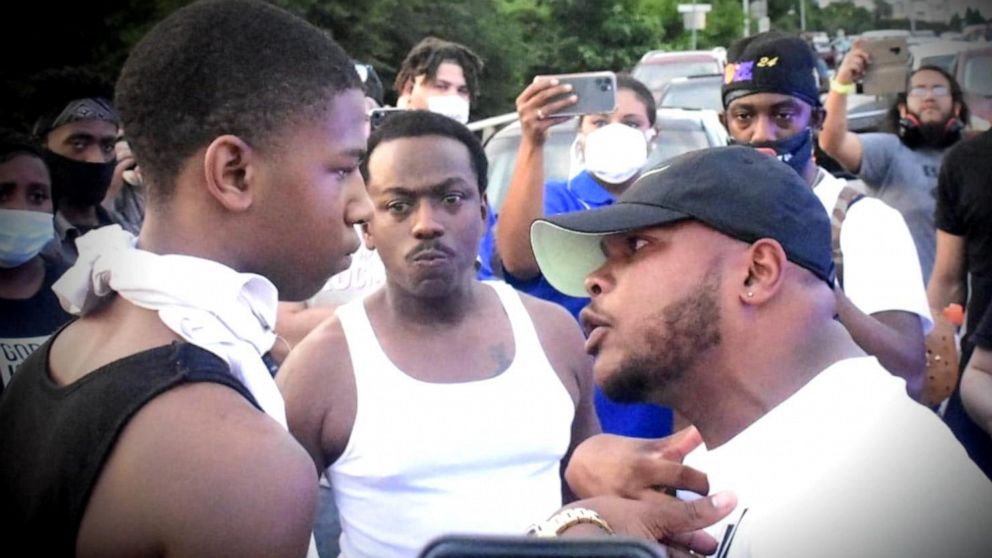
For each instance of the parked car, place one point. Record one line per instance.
(679, 131)
(973, 70)
(866, 113)
(942, 54)
(657, 68)
(694, 92)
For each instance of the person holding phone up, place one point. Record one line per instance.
(611, 147)
(899, 166)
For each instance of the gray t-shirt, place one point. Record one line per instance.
(905, 179)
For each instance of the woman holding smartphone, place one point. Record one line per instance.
(611, 147)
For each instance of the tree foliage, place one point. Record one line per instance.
(517, 38)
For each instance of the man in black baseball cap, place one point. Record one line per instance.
(771, 103)
(702, 186)
(711, 291)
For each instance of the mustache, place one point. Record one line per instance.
(427, 247)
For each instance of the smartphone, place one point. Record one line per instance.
(461, 546)
(379, 115)
(889, 66)
(596, 92)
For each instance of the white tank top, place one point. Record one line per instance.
(427, 458)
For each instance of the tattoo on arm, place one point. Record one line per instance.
(501, 358)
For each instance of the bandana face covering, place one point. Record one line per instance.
(23, 234)
(795, 151)
(78, 183)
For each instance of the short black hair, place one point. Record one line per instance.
(13, 143)
(892, 118)
(419, 123)
(641, 91)
(427, 55)
(216, 67)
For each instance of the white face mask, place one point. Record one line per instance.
(23, 234)
(615, 152)
(451, 106)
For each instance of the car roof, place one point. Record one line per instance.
(674, 118)
(670, 57)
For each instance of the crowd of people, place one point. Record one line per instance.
(245, 311)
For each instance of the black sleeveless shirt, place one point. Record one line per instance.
(55, 440)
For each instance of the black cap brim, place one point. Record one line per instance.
(568, 248)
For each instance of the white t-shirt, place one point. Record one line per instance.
(848, 466)
(881, 268)
(365, 275)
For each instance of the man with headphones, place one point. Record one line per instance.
(900, 166)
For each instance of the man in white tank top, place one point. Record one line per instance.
(438, 403)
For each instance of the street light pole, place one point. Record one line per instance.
(802, 14)
(747, 17)
(694, 25)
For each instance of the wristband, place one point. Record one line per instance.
(561, 521)
(842, 88)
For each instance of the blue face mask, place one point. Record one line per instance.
(23, 234)
(795, 151)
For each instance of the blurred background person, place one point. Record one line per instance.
(77, 129)
(899, 167)
(29, 310)
(439, 76)
(611, 150)
(125, 199)
(962, 273)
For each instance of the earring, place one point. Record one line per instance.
(750, 294)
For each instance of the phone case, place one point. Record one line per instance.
(596, 91)
(461, 546)
(379, 115)
(889, 66)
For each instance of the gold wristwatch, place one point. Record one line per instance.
(559, 522)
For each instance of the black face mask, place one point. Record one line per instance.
(938, 135)
(795, 151)
(77, 183)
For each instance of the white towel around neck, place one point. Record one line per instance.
(208, 304)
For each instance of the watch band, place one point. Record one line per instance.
(842, 88)
(559, 522)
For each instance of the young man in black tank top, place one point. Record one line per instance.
(122, 436)
(141, 428)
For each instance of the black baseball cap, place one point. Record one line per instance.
(735, 190)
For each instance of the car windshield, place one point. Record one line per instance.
(693, 94)
(655, 76)
(678, 134)
(502, 154)
(673, 142)
(944, 62)
(978, 75)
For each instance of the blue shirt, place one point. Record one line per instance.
(579, 193)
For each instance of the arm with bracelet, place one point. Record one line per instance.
(835, 139)
(655, 516)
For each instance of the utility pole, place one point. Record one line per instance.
(747, 17)
(694, 26)
(802, 14)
